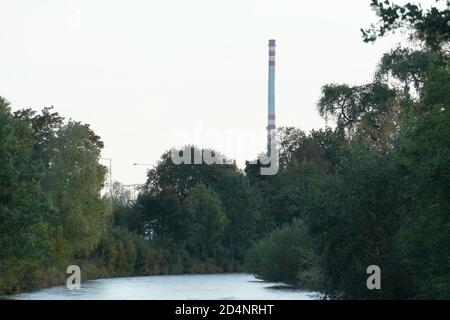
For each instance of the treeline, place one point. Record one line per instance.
(200, 217)
(188, 218)
(51, 212)
(374, 190)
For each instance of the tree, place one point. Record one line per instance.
(354, 219)
(24, 211)
(73, 183)
(333, 143)
(407, 66)
(423, 159)
(44, 127)
(180, 179)
(430, 26)
(354, 108)
(290, 141)
(287, 255)
(128, 217)
(240, 209)
(209, 222)
(163, 218)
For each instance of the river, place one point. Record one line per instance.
(234, 286)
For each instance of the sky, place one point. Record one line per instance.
(152, 75)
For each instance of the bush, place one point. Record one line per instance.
(286, 255)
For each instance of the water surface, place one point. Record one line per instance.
(234, 286)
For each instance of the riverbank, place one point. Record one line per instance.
(93, 270)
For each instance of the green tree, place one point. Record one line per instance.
(365, 109)
(209, 222)
(287, 255)
(164, 219)
(24, 211)
(354, 219)
(333, 143)
(44, 127)
(73, 183)
(240, 209)
(429, 26)
(407, 66)
(180, 179)
(423, 158)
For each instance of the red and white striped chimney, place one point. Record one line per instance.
(271, 103)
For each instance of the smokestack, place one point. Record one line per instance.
(271, 114)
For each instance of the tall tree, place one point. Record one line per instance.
(209, 222)
(180, 179)
(423, 159)
(73, 183)
(44, 127)
(24, 211)
(240, 209)
(429, 26)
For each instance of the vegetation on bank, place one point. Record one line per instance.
(52, 214)
(371, 190)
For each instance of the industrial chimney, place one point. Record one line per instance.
(271, 114)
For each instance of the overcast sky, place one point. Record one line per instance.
(149, 75)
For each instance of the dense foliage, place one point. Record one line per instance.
(383, 198)
(51, 211)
